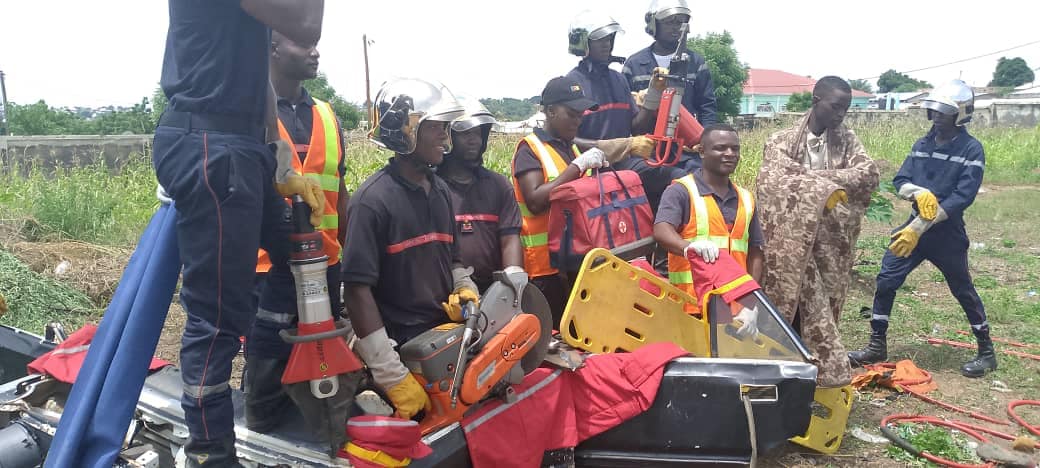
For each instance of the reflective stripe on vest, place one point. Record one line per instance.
(322, 165)
(534, 230)
(709, 224)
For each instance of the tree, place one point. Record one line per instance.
(799, 102)
(511, 109)
(862, 85)
(727, 72)
(1012, 73)
(41, 119)
(159, 102)
(893, 81)
(349, 114)
(137, 120)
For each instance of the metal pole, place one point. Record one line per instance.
(368, 86)
(3, 105)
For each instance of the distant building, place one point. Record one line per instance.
(767, 91)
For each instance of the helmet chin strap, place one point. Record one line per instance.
(420, 166)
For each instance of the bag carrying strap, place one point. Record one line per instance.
(628, 196)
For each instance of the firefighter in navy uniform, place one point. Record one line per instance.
(211, 156)
(611, 126)
(487, 216)
(309, 126)
(941, 177)
(664, 20)
(401, 264)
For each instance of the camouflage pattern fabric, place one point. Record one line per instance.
(809, 250)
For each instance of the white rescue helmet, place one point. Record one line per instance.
(474, 114)
(589, 25)
(953, 98)
(403, 104)
(661, 9)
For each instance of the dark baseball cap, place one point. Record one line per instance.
(567, 91)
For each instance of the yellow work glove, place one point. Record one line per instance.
(839, 196)
(904, 241)
(454, 305)
(642, 146)
(307, 188)
(408, 397)
(288, 183)
(927, 204)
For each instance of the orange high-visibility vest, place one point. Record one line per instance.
(706, 222)
(534, 229)
(322, 165)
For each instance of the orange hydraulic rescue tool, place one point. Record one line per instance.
(461, 364)
(316, 375)
(676, 128)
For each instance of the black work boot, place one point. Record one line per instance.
(985, 362)
(875, 351)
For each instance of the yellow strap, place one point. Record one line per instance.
(376, 456)
(700, 209)
(328, 124)
(749, 208)
(724, 289)
(544, 156)
(535, 240)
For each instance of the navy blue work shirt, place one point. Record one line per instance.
(951, 171)
(698, 97)
(216, 60)
(609, 89)
(401, 241)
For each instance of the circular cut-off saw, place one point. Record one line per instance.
(502, 340)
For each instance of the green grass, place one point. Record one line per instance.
(88, 204)
(934, 440)
(34, 299)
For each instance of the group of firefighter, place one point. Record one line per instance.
(422, 235)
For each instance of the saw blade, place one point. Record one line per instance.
(534, 303)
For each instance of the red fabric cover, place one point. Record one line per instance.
(645, 285)
(557, 409)
(64, 361)
(396, 437)
(710, 276)
(613, 226)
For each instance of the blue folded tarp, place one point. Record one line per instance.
(101, 404)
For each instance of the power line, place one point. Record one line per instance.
(962, 60)
(923, 68)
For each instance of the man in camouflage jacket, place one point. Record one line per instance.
(813, 189)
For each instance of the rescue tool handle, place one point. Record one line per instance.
(342, 329)
(471, 314)
(301, 215)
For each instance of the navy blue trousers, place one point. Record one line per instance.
(946, 247)
(227, 208)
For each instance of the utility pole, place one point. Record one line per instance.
(3, 105)
(368, 86)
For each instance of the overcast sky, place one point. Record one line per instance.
(99, 52)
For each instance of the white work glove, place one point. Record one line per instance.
(407, 395)
(518, 277)
(161, 194)
(749, 322)
(594, 158)
(705, 249)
